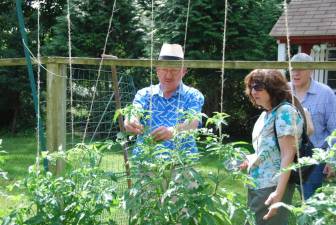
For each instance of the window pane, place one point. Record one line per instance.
(332, 55)
(332, 79)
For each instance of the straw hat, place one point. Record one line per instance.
(171, 52)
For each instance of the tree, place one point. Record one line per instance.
(15, 98)
(89, 26)
(15, 104)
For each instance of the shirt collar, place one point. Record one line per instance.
(157, 90)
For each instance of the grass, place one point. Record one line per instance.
(21, 151)
(20, 154)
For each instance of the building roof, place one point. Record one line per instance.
(308, 18)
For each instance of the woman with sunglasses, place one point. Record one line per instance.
(268, 90)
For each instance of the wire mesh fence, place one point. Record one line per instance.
(87, 89)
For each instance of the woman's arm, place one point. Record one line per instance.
(288, 150)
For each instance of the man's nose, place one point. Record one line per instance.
(169, 75)
(295, 73)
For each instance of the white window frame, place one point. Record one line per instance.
(329, 59)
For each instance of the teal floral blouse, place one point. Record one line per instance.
(265, 167)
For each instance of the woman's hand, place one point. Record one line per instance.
(328, 170)
(272, 199)
(244, 165)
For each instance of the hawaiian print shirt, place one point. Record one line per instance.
(166, 111)
(266, 166)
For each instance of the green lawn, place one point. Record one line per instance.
(20, 155)
(21, 152)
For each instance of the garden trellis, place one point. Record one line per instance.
(59, 69)
(100, 127)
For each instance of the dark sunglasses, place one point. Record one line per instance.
(257, 86)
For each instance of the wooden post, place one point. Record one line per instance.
(56, 112)
(281, 52)
(282, 55)
(323, 57)
(115, 86)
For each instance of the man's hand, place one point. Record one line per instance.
(162, 133)
(273, 209)
(133, 126)
(328, 170)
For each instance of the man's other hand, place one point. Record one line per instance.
(133, 126)
(163, 133)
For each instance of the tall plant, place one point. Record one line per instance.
(168, 187)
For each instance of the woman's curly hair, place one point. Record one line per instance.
(275, 84)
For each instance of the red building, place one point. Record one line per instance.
(312, 29)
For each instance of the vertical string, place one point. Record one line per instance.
(182, 66)
(222, 83)
(223, 57)
(186, 32)
(151, 66)
(223, 63)
(293, 93)
(38, 86)
(178, 143)
(70, 71)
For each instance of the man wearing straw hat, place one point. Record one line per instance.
(165, 101)
(320, 101)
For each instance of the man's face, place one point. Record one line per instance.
(170, 78)
(301, 77)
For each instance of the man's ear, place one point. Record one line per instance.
(184, 71)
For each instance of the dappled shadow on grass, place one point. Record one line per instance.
(20, 154)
